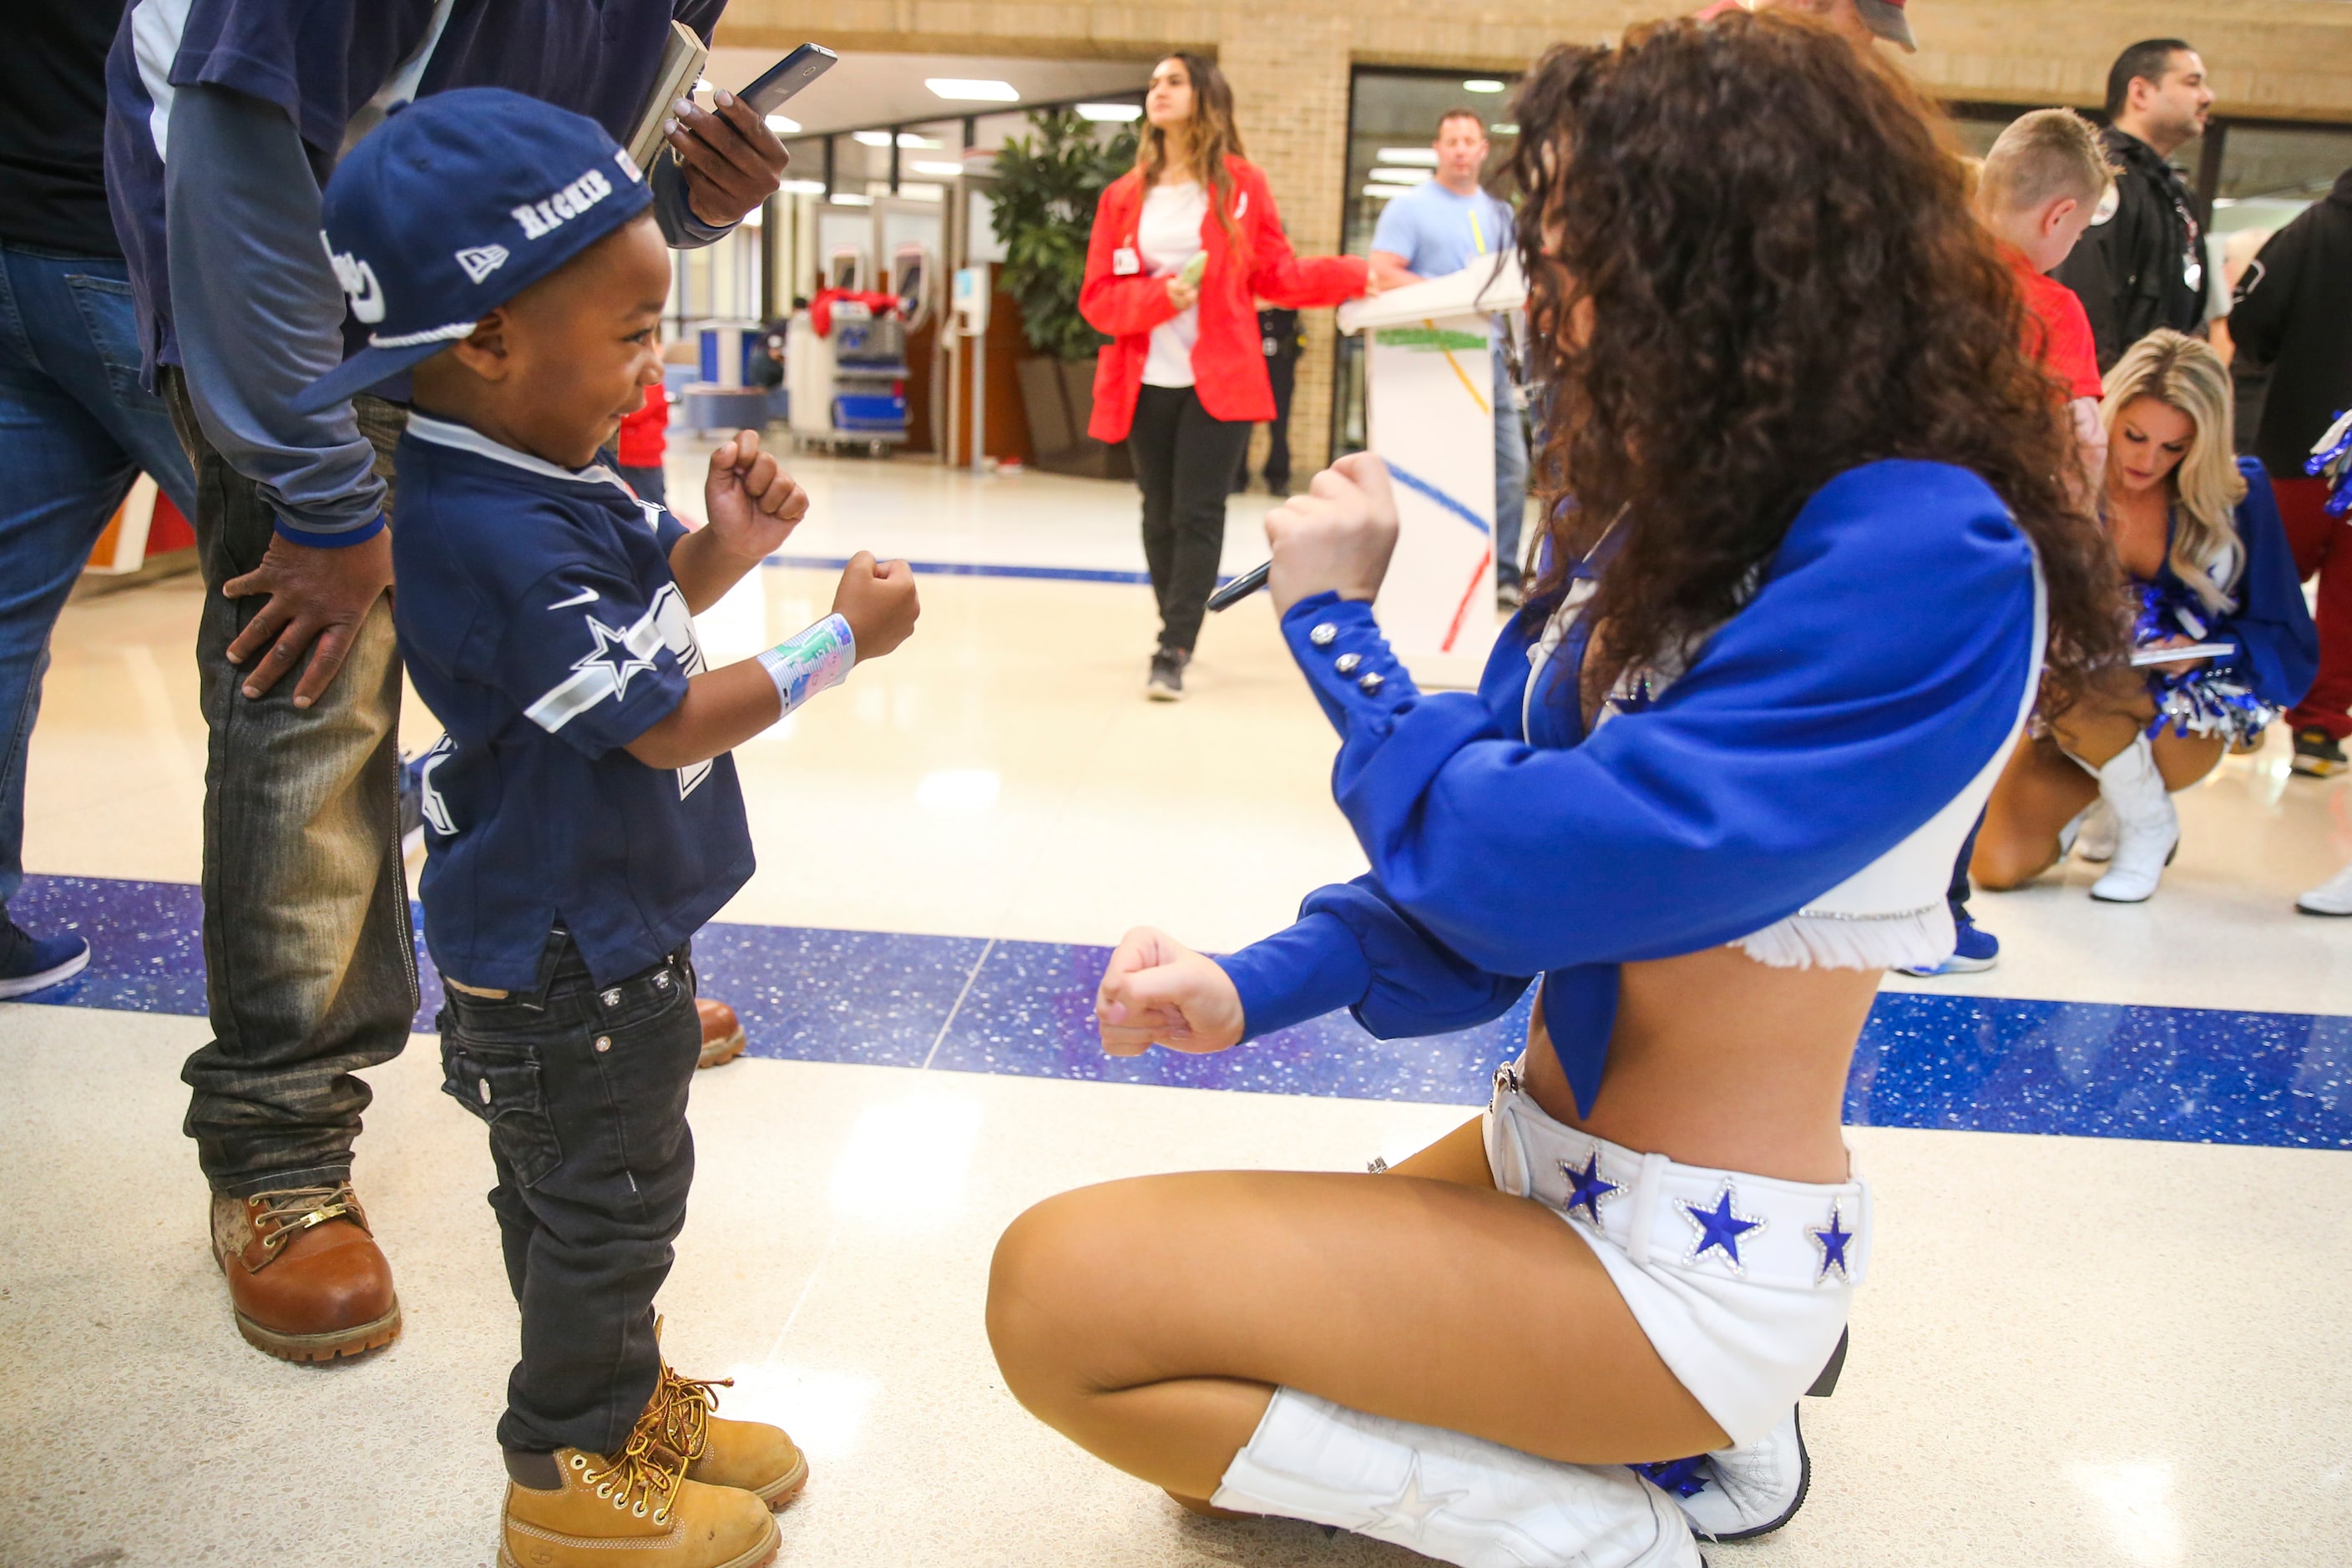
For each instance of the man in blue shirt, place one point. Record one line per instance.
(1439, 228)
(225, 119)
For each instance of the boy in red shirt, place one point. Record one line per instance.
(643, 441)
(2041, 186)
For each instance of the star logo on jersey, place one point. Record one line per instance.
(613, 654)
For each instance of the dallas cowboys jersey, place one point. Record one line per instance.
(539, 622)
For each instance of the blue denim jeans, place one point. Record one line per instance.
(310, 966)
(76, 428)
(584, 1089)
(1510, 474)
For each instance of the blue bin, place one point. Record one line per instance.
(869, 411)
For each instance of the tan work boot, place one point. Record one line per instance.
(305, 1277)
(751, 1455)
(636, 1510)
(723, 1032)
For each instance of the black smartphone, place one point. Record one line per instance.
(788, 76)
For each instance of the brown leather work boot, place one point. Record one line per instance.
(723, 1033)
(306, 1278)
(582, 1510)
(751, 1455)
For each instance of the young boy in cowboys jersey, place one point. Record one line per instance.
(582, 812)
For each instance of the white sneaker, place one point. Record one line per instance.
(2147, 831)
(1449, 1496)
(1734, 1494)
(2333, 897)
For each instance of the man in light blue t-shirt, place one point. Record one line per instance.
(1440, 226)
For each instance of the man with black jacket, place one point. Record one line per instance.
(2144, 266)
(2292, 314)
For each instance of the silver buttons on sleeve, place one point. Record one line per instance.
(1347, 665)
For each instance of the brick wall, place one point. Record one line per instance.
(1289, 76)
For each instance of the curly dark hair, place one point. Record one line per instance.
(1752, 266)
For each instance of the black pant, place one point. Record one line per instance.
(1184, 459)
(1282, 373)
(584, 1089)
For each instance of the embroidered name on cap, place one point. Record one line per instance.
(550, 213)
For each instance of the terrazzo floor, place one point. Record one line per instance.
(2107, 1305)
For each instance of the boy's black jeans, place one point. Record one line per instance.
(584, 1089)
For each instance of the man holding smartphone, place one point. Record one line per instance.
(223, 120)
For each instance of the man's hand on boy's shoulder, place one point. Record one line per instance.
(731, 160)
(880, 602)
(754, 504)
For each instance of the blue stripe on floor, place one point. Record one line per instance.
(1026, 1008)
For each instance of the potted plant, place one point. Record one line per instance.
(1046, 186)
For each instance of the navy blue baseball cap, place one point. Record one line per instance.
(453, 206)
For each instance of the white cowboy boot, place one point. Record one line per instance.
(2096, 841)
(1458, 1498)
(2147, 831)
(1737, 1493)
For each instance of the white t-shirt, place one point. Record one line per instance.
(1167, 236)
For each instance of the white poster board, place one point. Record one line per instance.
(1430, 386)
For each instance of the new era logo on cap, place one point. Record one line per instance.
(480, 260)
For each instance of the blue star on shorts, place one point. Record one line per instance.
(1590, 1189)
(1719, 1228)
(1832, 1238)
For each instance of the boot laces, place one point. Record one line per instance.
(646, 1469)
(684, 1406)
(287, 1212)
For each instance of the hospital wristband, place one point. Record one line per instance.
(806, 663)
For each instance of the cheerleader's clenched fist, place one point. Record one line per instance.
(1157, 992)
(1337, 537)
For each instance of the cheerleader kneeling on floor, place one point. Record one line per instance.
(2205, 565)
(1709, 789)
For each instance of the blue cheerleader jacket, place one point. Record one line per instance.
(1880, 666)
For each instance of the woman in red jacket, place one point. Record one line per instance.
(1183, 377)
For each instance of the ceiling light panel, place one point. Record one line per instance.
(975, 90)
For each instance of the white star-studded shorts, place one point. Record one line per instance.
(1742, 1282)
